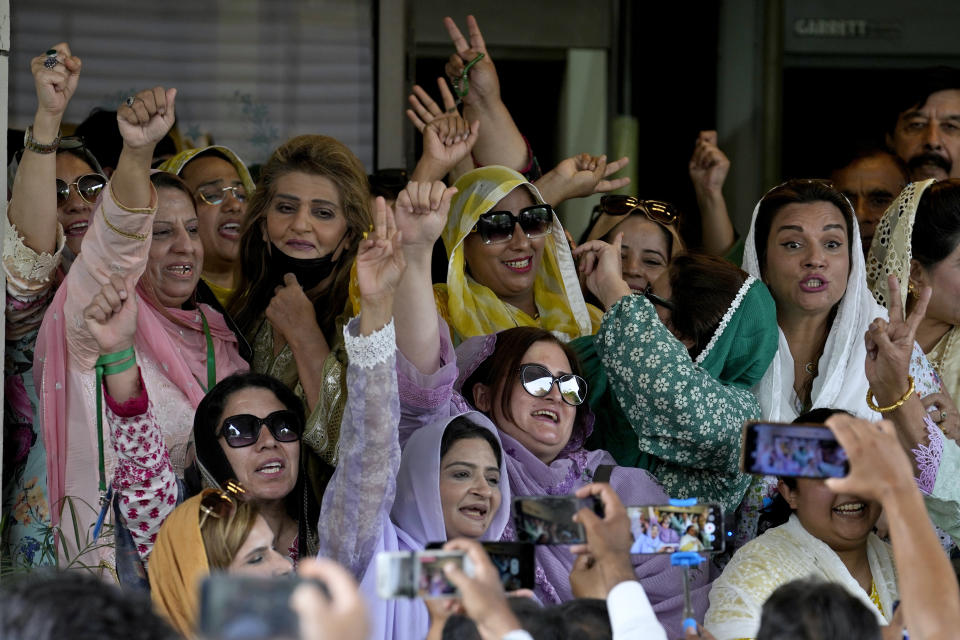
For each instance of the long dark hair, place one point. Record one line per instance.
(314, 155)
(936, 227)
(206, 422)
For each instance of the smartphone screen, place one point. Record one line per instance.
(431, 580)
(548, 520)
(667, 529)
(793, 450)
(408, 574)
(514, 561)
(247, 608)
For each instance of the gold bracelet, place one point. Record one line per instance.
(896, 405)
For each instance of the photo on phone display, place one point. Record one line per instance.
(514, 562)
(793, 450)
(246, 607)
(408, 574)
(668, 529)
(548, 520)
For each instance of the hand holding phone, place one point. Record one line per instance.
(336, 613)
(408, 574)
(791, 450)
(548, 520)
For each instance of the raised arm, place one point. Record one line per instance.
(358, 499)
(144, 479)
(447, 137)
(421, 212)
(708, 171)
(500, 141)
(580, 176)
(33, 203)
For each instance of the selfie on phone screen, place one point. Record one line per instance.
(668, 529)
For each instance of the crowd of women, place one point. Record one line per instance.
(210, 371)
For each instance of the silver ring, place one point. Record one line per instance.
(51, 62)
(130, 100)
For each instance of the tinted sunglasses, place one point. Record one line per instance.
(216, 195)
(656, 210)
(655, 299)
(220, 504)
(537, 381)
(243, 430)
(496, 227)
(88, 187)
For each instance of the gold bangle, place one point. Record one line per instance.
(896, 405)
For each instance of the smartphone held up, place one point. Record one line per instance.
(792, 450)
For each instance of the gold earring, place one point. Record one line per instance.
(911, 288)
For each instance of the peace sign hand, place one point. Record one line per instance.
(484, 83)
(890, 346)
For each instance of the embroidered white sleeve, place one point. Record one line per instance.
(368, 351)
(23, 262)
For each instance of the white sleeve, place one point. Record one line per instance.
(631, 616)
(517, 634)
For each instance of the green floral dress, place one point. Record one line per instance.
(659, 410)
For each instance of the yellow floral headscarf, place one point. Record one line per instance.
(472, 309)
(179, 161)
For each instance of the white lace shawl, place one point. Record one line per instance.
(841, 383)
(783, 554)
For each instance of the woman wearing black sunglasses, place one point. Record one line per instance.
(528, 383)
(42, 233)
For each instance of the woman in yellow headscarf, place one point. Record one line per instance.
(509, 263)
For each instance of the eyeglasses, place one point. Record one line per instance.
(216, 195)
(537, 381)
(656, 210)
(220, 504)
(655, 299)
(496, 227)
(243, 430)
(88, 188)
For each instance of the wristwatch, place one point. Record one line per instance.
(38, 147)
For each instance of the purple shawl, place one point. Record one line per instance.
(423, 398)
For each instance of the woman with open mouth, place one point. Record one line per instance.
(528, 383)
(509, 263)
(144, 233)
(827, 535)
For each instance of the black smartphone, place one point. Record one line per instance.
(514, 561)
(548, 520)
(665, 528)
(248, 608)
(793, 450)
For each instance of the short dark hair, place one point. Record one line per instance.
(460, 428)
(702, 289)
(920, 86)
(206, 422)
(866, 152)
(797, 191)
(49, 605)
(936, 228)
(166, 180)
(102, 136)
(812, 609)
(542, 624)
(501, 369)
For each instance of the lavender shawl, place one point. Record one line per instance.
(424, 398)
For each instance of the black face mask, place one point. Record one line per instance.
(309, 271)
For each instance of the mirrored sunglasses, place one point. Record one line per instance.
(496, 227)
(88, 187)
(537, 381)
(216, 195)
(243, 430)
(656, 210)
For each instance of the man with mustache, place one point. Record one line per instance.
(927, 131)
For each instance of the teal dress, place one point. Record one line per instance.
(681, 420)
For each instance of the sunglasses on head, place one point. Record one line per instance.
(496, 227)
(656, 210)
(88, 188)
(216, 195)
(219, 503)
(243, 430)
(537, 381)
(655, 299)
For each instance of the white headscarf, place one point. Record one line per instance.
(841, 382)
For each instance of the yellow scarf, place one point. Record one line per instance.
(472, 309)
(178, 563)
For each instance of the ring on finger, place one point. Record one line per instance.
(52, 59)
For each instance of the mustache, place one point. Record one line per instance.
(928, 158)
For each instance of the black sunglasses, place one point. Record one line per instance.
(496, 227)
(243, 430)
(88, 187)
(537, 381)
(656, 210)
(655, 299)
